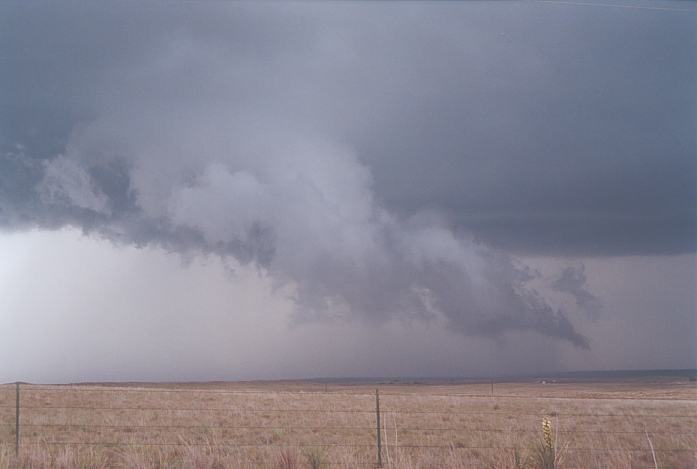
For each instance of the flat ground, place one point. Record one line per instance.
(596, 424)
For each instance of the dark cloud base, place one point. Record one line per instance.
(386, 158)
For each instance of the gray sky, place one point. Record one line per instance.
(229, 190)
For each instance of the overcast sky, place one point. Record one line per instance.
(238, 190)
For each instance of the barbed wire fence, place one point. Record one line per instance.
(33, 403)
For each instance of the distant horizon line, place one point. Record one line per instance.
(626, 373)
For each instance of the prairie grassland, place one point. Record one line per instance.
(289, 425)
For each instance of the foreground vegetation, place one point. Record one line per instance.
(298, 425)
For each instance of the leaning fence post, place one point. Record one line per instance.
(377, 412)
(17, 419)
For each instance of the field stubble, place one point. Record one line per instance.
(290, 425)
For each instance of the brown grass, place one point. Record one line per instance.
(299, 425)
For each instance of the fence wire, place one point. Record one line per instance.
(42, 398)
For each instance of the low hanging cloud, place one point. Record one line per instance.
(297, 206)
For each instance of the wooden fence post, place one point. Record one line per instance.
(17, 419)
(377, 412)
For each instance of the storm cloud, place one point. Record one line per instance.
(386, 160)
(573, 281)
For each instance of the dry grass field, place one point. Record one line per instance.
(289, 425)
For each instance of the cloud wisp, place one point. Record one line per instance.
(572, 280)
